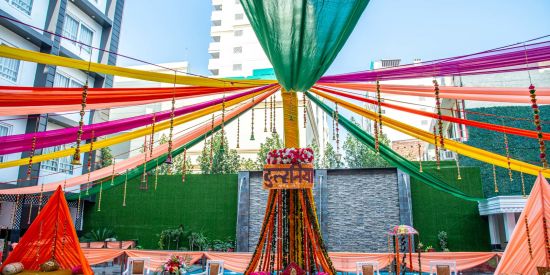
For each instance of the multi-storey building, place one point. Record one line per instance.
(80, 28)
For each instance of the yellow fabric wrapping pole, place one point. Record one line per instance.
(290, 114)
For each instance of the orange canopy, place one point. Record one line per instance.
(51, 235)
(517, 259)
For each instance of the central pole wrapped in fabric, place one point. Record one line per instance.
(290, 114)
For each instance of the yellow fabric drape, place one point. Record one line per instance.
(49, 59)
(131, 135)
(460, 148)
(290, 114)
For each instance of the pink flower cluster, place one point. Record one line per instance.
(260, 273)
(290, 156)
(174, 264)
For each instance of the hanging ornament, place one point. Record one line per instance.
(334, 125)
(536, 119)
(183, 166)
(305, 109)
(89, 164)
(113, 173)
(274, 116)
(495, 178)
(125, 187)
(100, 195)
(40, 198)
(529, 246)
(437, 157)
(265, 115)
(337, 131)
(458, 176)
(144, 175)
(419, 157)
(379, 102)
(78, 203)
(252, 122)
(376, 137)
(76, 156)
(157, 174)
(170, 135)
(238, 132)
(212, 143)
(439, 120)
(523, 186)
(271, 116)
(33, 147)
(223, 125)
(508, 156)
(152, 139)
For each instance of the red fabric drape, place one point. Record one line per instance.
(51, 235)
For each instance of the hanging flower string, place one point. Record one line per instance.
(305, 109)
(89, 164)
(76, 156)
(437, 157)
(419, 157)
(438, 109)
(238, 132)
(113, 173)
(271, 126)
(145, 151)
(523, 186)
(30, 209)
(171, 133)
(211, 159)
(152, 139)
(334, 125)
(379, 102)
(40, 198)
(33, 147)
(157, 174)
(337, 130)
(536, 118)
(100, 195)
(529, 246)
(495, 178)
(223, 123)
(507, 149)
(458, 176)
(376, 137)
(252, 122)
(125, 187)
(15, 208)
(265, 115)
(184, 165)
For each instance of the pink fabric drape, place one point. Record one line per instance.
(464, 260)
(236, 262)
(516, 258)
(159, 257)
(97, 256)
(347, 262)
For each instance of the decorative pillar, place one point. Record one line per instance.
(509, 224)
(494, 231)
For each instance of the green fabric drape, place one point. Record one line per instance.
(393, 157)
(301, 38)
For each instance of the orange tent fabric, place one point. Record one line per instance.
(516, 258)
(464, 260)
(51, 235)
(236, 262)
(97, 256)
(159, 257)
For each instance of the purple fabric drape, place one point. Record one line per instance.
(508, 59)
(23, 142)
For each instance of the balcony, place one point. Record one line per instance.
(214, 47)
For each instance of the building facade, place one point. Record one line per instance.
(80, 28)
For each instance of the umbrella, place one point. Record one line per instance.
(403, 230)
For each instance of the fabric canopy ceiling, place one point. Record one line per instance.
(301, 38)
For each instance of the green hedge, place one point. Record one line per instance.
(522, 148)
(206, 203)
(435, 211)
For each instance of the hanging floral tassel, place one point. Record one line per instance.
(212, 143)
(89, 164)
(458, 176)
(274, 116)
(305, 109)
(376, 137)
(238, 132)
(379, 102)
(536, 118)
(76, 156)
(439, 120)
(265, 115)
(40, 198)
(271, 116)
(113, 173)
(530, 247)
(100, 195)
(31, 154)
(78, 203)
(223, 124)
(144, 175)
(337, 130)
(171, 134)
(437, 157)
(508, 156)
(420, 157)
(125, 187)
(334, 125)
(495, 178)
(152, 139)
(523, 186)
(183, 166)
(157, 174)
(252, 122)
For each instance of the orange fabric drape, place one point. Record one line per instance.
(516, 258)
(347, 262)
(97, 256)
(236, 262)
(51, 235)
(159, 257)
(464, 260)
(125, 244)
(512, 95)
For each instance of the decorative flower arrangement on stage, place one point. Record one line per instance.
(290, 156)
(289, 168)
(176, 264)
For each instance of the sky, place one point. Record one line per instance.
(179, 30)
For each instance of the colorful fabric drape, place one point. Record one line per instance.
(301, 38)
(511, 95)
(517, 258)
(50, 236)
(24, 142)
(505, 59)
(464, 260)
(98, 256)
(236, 262)
(347, 261)
(158, 258)
(131, 135)
(49, 59)
(463, 149)
(483, 125)
(134, 164)
(393, 157)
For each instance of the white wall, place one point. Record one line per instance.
(36, 18)
(73, 11)
(99, 4)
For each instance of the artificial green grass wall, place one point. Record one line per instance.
(435, 211)
(206, 203)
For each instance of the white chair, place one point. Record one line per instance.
(367, 268)
(136, 265)
(213, 268)
(443, 267)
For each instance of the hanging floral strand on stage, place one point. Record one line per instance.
(523, 186)
(376, 137)
(528, 238)
(211, 159)
(252, 122)
(113, 173)
(334, 125)
(157, 174)
(437, 157)
(305, 109)
(184, 165)
(15, 208)
(30, 209)
(89, 164)
(379, 104)
(419, 157)
(40, 198)
(265, 115)
(100, 196)
(238, 132)
(337, 130)
(152, 139)
(495, 178)
(507, 149)
(171, 133)
(33, 147)
(536, 118)
(223, 124)
(125, 187)
(458, 176)
(439, 120)
(144, 175)
(271, 126)
(76, 156)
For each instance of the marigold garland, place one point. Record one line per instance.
(439, 120)
(76, 156)
(507, 149)
(252, 122)
(152, 139)
(89, 164)
(495, 178)
(31, 155)
(437, 157)
(536, 118)
(40, 198)
(419, 157)
(100, 196)
(528, 237)
(523, 186)
(379, 103)
(171, 133)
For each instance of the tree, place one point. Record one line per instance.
(224, 160)
(106, 156)
(177, 162)
(316, 155)
(358, 155)
(247, 164)
(270, 144)
(331, 159)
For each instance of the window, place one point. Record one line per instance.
(23, 5)
(216, 38)
(9, 69)
(61, 80)
(238, 33)
(237, 67)
(238, 50)
(5, 130)
(239, 16)
(217, 7)
(216, 23)
(62, 165)
(215, 55)
(77, 31)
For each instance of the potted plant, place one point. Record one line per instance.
(176, 265)
(429, 248)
